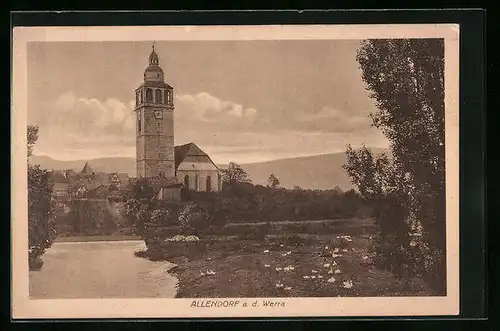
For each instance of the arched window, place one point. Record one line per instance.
(165, 96)
(158, 96)
(149, 95)
(137, 99)
(209, 184)
(186, 181)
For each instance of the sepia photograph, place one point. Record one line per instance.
(235, 171)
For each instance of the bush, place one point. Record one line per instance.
(253, 232)
(194, 219)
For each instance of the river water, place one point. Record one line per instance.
(106, 269)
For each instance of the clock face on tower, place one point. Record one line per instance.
(158, 114)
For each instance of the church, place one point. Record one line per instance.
(166, 167)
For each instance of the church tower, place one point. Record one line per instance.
(155, 123)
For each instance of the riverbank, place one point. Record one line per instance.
(279, 266)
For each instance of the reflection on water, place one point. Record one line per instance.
(100, 270)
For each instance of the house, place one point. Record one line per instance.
(119, 179)
(60, 188)
(195, 170)
(165, 188)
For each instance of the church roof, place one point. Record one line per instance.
(154, 84)
(189, 149)
(87, 170)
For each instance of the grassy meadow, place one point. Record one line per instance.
(291, 265)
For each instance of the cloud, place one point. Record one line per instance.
(329, 119)
(209, 109)
(72, 125)
(75, 127)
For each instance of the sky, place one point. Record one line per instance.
(239, 101)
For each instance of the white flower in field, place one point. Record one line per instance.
(210, 272)
(348, 239)
(279, 269)
(336, 250)
(305, 277)
(288, 268)
(413, 243)
(326, 247)
(289, 252)
(288, 288)
(365, 257)
(331, 271)
(370, 238)
(353, 249)
(337, 271)
(202, 273)
(313, 277)
(284, 254)
(334, 263)
(267, 265)
(314, 271)
(336, 255)
(282, 245)
(291, 268)
(326, 265)
(266, 251)
(279, 285)
(344, 250)
(331, 280)
(319, 276)
(348, 284)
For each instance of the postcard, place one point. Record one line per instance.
(235, 171)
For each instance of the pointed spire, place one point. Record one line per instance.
(87, 170)
(153, 57)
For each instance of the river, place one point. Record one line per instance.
(105, 269)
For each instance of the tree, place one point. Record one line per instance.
(406, 79)
(32, 138)
(41, 224)
(234, 174)
(194, 219)
(138, 214)
(273, 181)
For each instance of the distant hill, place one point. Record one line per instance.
(310, 172)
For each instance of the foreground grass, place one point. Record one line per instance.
(297, 266)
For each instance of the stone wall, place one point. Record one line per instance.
(155, 143)
(198, 179)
